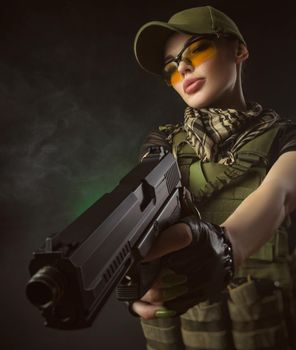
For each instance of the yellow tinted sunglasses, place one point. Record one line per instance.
(195, 52)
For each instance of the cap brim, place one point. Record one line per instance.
(149, 44)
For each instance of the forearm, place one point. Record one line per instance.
(255, 220)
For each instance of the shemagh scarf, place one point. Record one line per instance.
(212, 130)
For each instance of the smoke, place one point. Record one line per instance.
(58, 155)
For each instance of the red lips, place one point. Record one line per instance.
(192, 85)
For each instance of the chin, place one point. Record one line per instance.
(205, 99)
(197, 102)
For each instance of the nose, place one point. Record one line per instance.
(184, 67)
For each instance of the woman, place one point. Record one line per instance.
(228, 283)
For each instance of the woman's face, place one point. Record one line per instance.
(208, 78)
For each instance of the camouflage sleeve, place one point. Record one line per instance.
(284, 142)
(155, 138)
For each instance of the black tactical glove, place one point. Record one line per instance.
(207, 262)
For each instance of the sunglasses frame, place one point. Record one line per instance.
(178, 58)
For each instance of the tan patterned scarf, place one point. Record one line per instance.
(215, 133)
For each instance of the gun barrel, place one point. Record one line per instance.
(46, 287)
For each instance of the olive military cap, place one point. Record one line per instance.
(151, 37)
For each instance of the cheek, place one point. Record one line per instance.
(220, 71)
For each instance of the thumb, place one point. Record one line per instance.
(173, 238)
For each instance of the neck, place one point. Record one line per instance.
(230, 102)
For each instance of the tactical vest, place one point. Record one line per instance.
(258, 310)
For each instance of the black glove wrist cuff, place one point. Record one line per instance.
(228, 251)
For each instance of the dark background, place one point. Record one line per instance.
(75, 108)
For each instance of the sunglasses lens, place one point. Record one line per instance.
(200, 51)
(171, 73)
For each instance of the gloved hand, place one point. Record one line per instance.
(207, 264)
(199, 271)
